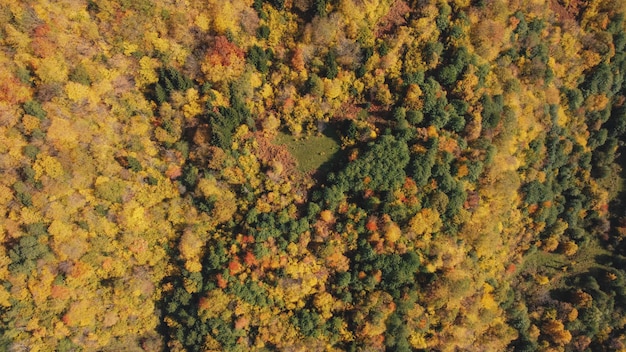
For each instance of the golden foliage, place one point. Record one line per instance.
(49, 166)
(52, 69)
(556, 331)
(147, 71)
(99, 180)
(425, 222)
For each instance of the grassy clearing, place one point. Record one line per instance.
(614, 182)
(311, 152)
(558, 266)
(541, 261)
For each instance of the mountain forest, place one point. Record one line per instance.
(312, 175)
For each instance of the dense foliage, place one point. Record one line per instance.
(170, 183)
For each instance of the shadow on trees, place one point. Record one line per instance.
(337, 160)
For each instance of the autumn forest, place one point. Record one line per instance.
(312, 175)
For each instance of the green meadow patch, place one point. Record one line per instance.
(311, 152)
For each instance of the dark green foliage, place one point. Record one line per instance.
(37, 229)
(27, 174)
(522, 26)
(462, 58)
(431, 51)
(382, 163)
(250, 292)
(80, 75)
(435, 103)
(144, 7)
(601, 171)
(205, 204)
(307, 321)
(397, 271)
(33, 107)
(30, 151)
(598, 81)
(479, 4)
(383, 48)
(455, 32)
(457, 115)
(65, 345)
(397, 334)
(442, 19)
(606, 286)
(343, 279)
(224, 333)
(190, 176)
(540, 52)
(475, 169)
(536, 25)
(367, 53)
(420, 169)
(314, 85)
(330, 64)
(617, 123)
(278, 4)
(413, 77)
(535, 192)
(133, 164)
(223, 124)
(319, 7)
(619, 40)
(263, 32)
(616, 24)
(28, 250)
(183, 147)
(206, 89)
(441, 173)
(555, 150)
(266, 226)
(222, 129)
(160, 95)
(259, 59)
(152, 181)
(24, 75)
(170, 80)
(456, 199)
(518, 319)
(492, 110)
(258, 6)
(483, 71)
(456, 61)
(597, 138)
(22, 193)
(399, 114)
(238, 111)
(448, 75)
(575, 98)
(415, 117)
(360, 71)
(456, 123)
(215, 258)
(548, 76)
(350, 130)
(420, 166)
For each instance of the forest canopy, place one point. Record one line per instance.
(258, 175)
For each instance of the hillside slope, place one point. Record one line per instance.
(312, 175)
